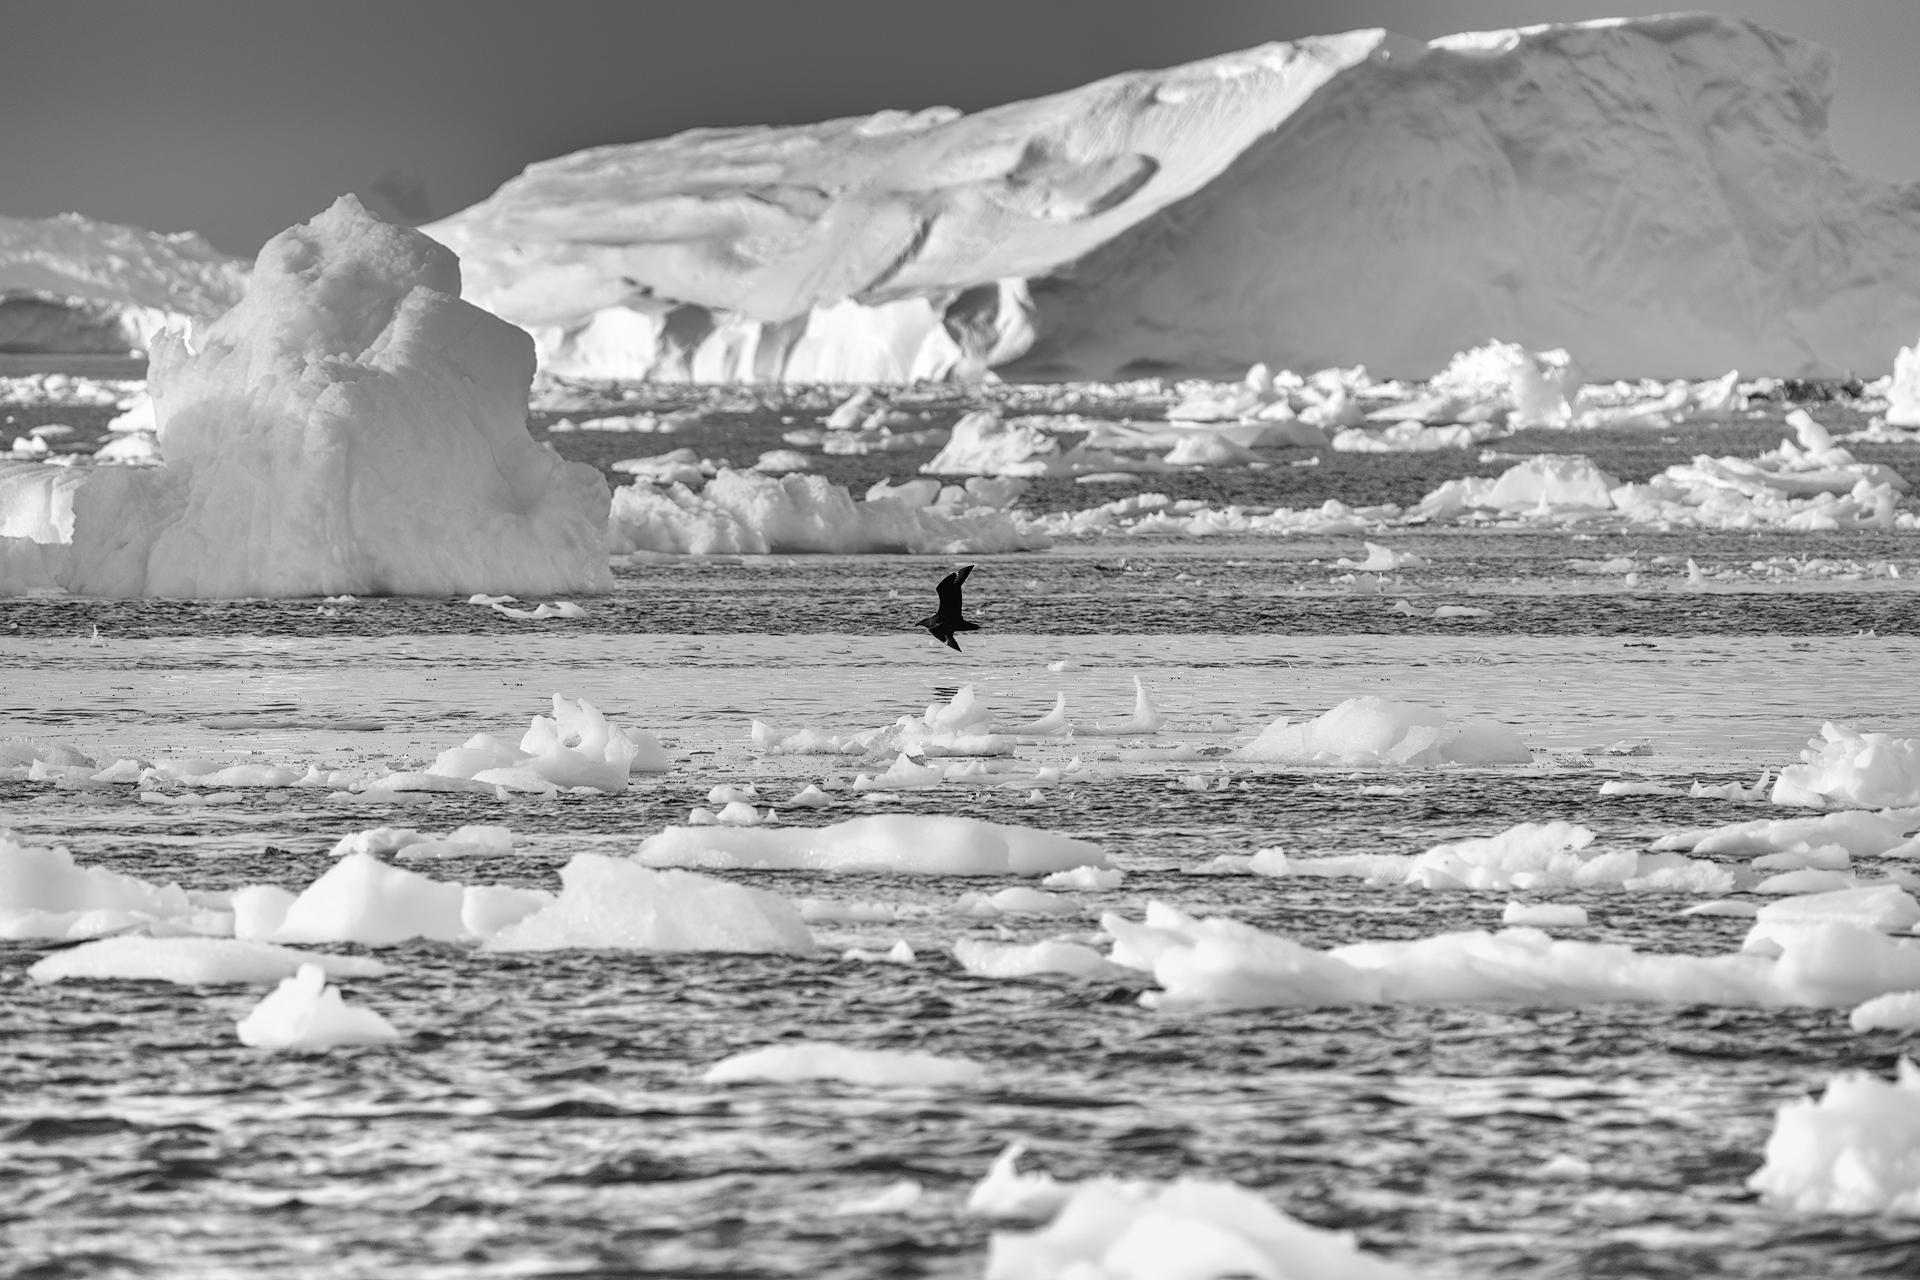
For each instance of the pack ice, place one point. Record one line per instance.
(351, 426)
(74, 285)
(1657, 194)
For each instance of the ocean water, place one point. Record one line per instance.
(545, 1116)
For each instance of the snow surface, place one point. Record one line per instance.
(351, 426)
(1852, 1150)
(305, 1015)
(1656, 194)
(69, 284)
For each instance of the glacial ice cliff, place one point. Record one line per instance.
(73, 285)
(1657, 195)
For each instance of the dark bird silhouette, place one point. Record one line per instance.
(947, 620)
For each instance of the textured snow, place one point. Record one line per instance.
(1855, 1149)
(73, 285)
(351, 426)
(1657, 195)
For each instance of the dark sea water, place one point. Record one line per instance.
(545, 1116)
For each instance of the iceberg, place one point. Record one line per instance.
(1657, 194)
(74, 285)
(349, 427)
(1844, 768)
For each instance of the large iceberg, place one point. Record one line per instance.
(351, 426)
(1658, 194)
(73, 285)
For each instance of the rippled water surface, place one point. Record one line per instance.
(545, 1114)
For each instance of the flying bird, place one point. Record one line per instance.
(947, 620)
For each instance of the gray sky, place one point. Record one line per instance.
(236, 118)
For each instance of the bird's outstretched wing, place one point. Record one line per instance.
(949, 591)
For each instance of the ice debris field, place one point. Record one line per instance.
(1421, 801)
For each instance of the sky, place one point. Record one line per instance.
(236, 118)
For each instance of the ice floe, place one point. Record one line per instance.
(192, 961)
(1845, 768)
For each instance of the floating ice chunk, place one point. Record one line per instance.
(1535, 387)
(48, 883)
(1090, 879)
(1381, 733)
(576, 747)
(1849, 1151)
(1015, 960)
(898, 953)
(1016, 900)
(1858, 833)
(746, 512)
(350, 425)
(361, 899)
(1894, 1011)
(983, 445)
(1885, 907)
(810, 797)
(613, 903)
(485, 909)
(192, 962)
(1146, 718)
(1220, 963)
(260, 909)
(1381, 559)
(305, 1015)
(932, 844)
(1006, 1194)
(1544, 915)
(1053, 723)
(1847, 769)
(880, 1068)
(1109, 1229)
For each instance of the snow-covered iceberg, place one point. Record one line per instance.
(1656, 194)
(351, 426)
(69, 284)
